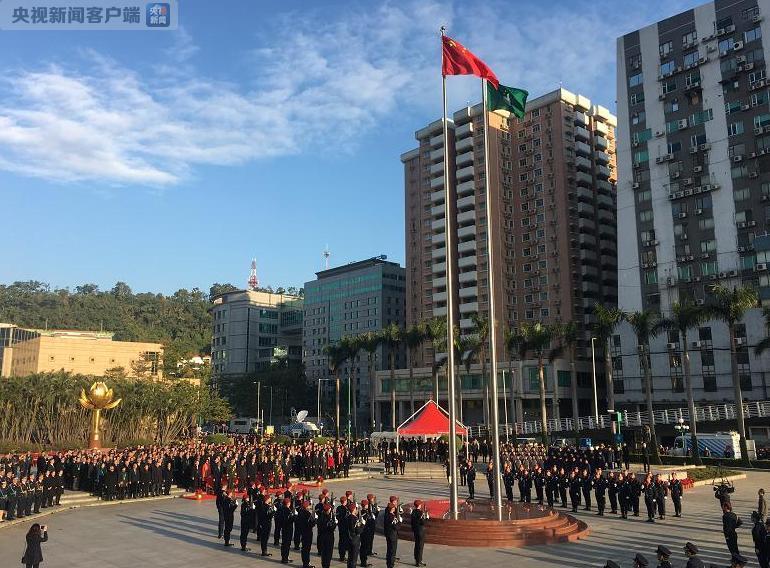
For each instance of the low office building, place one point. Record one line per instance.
(30, 351)
(251, 330)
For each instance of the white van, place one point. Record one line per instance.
(243, 426)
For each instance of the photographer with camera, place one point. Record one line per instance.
(33, 555)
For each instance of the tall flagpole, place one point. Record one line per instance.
(495, 412)
(450, 315)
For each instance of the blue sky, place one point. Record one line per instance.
(258, 129)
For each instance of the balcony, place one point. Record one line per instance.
(464, 144)
(464, 159)
(606, 216)
(435, 183)
(587, 240)
(465, 188)
(608, 246)
(465, 174)
(606, 201)
(439, 282)
(464, 130)
(602, 157)
(439, 297)
(585, 194)
(437, 210)
(437, 224)
(471, 276)
(437, 197)
(469, 292)
(586, 210)
(466, 261)
(607, 230)
(438, 253)
(439, 268)
(604, 186)
(587, 224)
(439, 311)
(584, 179)
(583, 164)
(438, 238)
(588, 255)
(437, 168)
(601, 142)
(587, 287)
(469, 308)
(608, 261)
(582, 134)
(580, 119)
(437, 141)
(601, 128)
(589, 272)
(603, 172)
(469, 231)
(466, 202)
(466, 216)
(437, 155)
(467, 246)
(582, 148)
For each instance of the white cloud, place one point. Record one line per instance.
(315, 83)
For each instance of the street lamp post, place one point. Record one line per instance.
(319, 397)
(593, 372)
(259, 388)
(681, 428)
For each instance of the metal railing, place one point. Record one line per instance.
(712, 413)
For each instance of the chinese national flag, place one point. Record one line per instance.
(459, 61)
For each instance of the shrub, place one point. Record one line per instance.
(218, 439)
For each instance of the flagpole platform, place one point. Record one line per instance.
(523, 524)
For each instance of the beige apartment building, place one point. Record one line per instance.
(552, 182)
(29, 351)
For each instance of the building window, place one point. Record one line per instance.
(735, 128)
(689, 37)
(752, 34)
(666, 48)
(709, 383)
(635, 80)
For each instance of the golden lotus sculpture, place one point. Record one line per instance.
(99, 397)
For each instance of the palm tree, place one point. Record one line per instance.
(414, 337)
(539, 339)
(391, 336)
(465, 348)
(481, 331)
(644, 325)
(516, 344)
(437, 334)
(607, 319)
(352, 345)
(684, 317)
(337, 355)
(569, 338)
(370, 341)
(730, 306)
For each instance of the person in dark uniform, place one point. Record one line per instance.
(563, 487)
(286, 516)
(759, 536)
(539, 482)
(612, 492)
(663, 554)
(508, 479)
(306, 520)
(661, 494)
(228, 510)
(277, 505)
(676, 494)
(575, 486)
(611, 564)
(470, 477)
(600, 488)
(640, 561)
(367, 518)
(636, 492)
(463, 470)
(341, 514)
(265, 515)
(418, 519)
(650, 494)
(730, 523)
(738, 561)
(691, 552)
(490, 473)
(220, 496)
(247, 518)
(327, 524)
(588, 484)
(355, 528)
(391, 523)
(297, 506)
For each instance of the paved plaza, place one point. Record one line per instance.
(182, 533)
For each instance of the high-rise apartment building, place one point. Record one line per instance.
(552, 182)
(251, 330)
(694, 189)
(350, 300)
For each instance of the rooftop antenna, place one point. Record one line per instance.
(326, 254)
(253, 280)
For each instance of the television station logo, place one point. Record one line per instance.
(89, 15)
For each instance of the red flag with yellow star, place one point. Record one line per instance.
(457, 60)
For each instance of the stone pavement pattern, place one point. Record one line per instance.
(182, 533)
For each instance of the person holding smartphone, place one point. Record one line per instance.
(33, 555)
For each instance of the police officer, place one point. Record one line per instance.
(663, 554)
(640, 561)
(470, 477)
(327, 524)
(600, 489)
(228, 510)
(650, 493)
(341, 514)
(265, 515)
(391, 523)
(612, 492)
(575, 486)
(677, 491)
(220, 496)
(418, 519)
(306, 520)
(355, 528)
(730, 522)
(285, 517)
(691, 551)
(247, 520)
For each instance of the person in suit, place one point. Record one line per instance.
(327, 524)
(470, 477)
(390, 528)
(33, 555)
(265, 515)
(247, 518)
(228, 511)
(306, 520)
(341, 513)
(355, 528)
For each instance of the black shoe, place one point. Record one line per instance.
(265, 554)
(228, 544)
(219, 536)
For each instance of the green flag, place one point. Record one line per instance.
(507, 98)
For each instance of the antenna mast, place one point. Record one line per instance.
(253, 280)
(326, 254)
